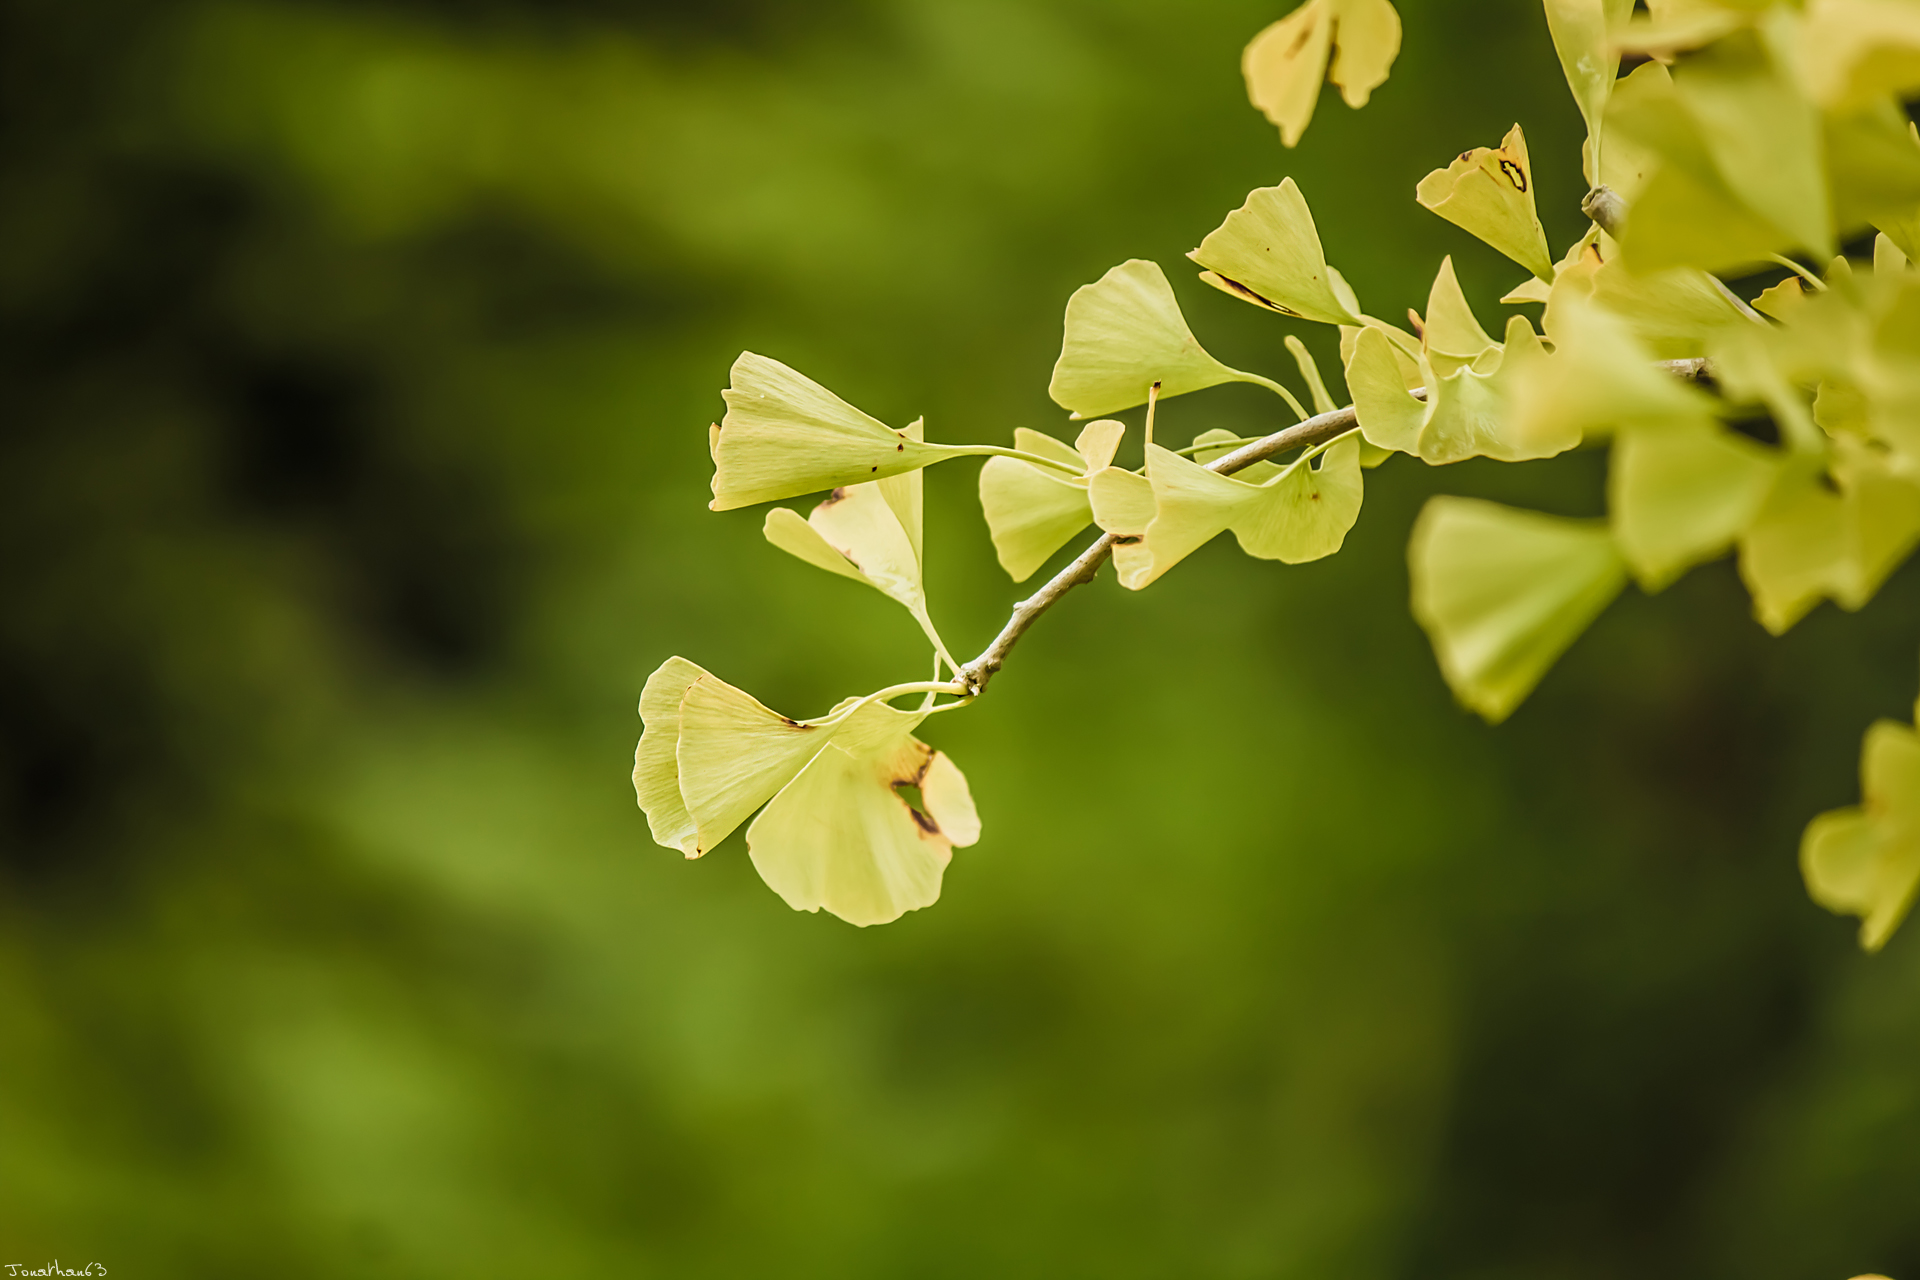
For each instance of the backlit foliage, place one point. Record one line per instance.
(1746, 134)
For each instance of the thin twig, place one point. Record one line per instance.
(973, 677)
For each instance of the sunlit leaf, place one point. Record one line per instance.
(1854, 52)
(836, 832)
(1296, 514)
(1815, 539)
(1390, 417)
(1034, 511)
(1684, 208)
(1124, 333)
(785, 435)
(1488, 191)
(1873, 166)
(1452, 336)
(656, 766)
(858, 528)
(1502, 593)
(1780, 300)
(1762, 133)
(1865, 861)
(1580, 30)
(1268, 252)
(1599, 377)
(1286, 64)
(734, 755)
(1679, 494)
(840, 836)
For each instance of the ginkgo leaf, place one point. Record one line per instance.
(734, 755)
(1599, 377)
(1671, 310)
(1123, 506)
(785, 435)
(856, 533)
(1031, 511)
(1873, 165)
(1467, 411)
(1124, 333)
(1683, 211)
(1813, 539)
(1680, 494)
(835, 832)
(1098, 442)
(840, 836)
(1581, 31)
(656, 768)
(1310, 374)
(1865, 861)
(1452, 336)
(1298, 514)
(1779, 300)
(1390, 417)
(1268, 252)
(1488, 191)
(1763, 134)
(1502, 593)
(1854, 52)
(1286, 64)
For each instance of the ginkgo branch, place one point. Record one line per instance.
(1318, 430)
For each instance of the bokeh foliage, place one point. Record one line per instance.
(358, 359)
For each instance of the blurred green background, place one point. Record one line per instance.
(357, 366)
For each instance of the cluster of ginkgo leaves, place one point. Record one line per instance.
(1785, 429)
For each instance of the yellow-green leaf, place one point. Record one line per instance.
(785, 435)
(1764, 136)
(1865, 861)
(1581, 36)
(1681, 493)
(1031, 513)
(1488, 191)
(1502, 593)
(1124, 333)
(1298, 513)
(656, 766)
(734, 755)
(1268, 252)
(840, 836)
(1286, 64)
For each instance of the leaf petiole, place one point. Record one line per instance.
(1819, 285)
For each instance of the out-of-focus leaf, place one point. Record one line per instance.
(1502, 593)
(1286, 64)
(1873, 166)
(1854, 52)
(1598, 378)
(1581, 31)
(1679, 494)
(1489, 191)
(1865, 861)
(1268, 252)
(1813, 539)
